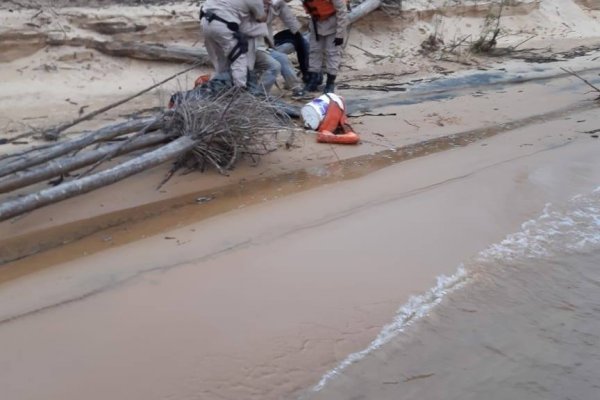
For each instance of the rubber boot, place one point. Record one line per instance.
(305, 77)
(312, 84)
(319, 78)
(330, 85)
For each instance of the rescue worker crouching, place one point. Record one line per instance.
(256, 33)
(281, 10)
(327, 33)
(226, 44)
(266, 63)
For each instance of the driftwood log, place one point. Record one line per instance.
(363, 9)
(15, 164)
(21, 205)
(174, 53)
(66, 164)
(141, 51)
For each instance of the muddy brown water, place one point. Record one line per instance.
(263, 301)
(526, 324)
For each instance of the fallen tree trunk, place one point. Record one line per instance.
(12, 208)
(66, 164)
(141, 51)
(363, 9)
(175, 53)
(108, 132)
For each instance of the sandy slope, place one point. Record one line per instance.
(43, 85)
(258, 292)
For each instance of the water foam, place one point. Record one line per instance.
(557, 230)
(575, 227)
(416, 307)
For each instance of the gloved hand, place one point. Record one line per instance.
(338, 41)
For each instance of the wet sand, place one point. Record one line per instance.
(262, 301)
(430, 117)
(44, 85)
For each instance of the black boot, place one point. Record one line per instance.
(305, 77)
(330, 85)
(312, 85)
(319, 78)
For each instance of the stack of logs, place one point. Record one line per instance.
(216, 130)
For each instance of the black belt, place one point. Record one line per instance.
(211, 16)
(242, 40)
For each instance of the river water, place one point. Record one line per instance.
(519, 321)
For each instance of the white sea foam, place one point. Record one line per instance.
(416, 308)
(575, 227)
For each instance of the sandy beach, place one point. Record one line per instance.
(324, 272)
(261, 302)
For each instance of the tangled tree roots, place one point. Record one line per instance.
(226, 127)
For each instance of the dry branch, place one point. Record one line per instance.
(53, 133)
(491, 27)
(65, 164)
(226, 127)
(576, 75)
(6, 156)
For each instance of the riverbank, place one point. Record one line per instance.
(430, 116)
(48, 84)
(251, 303)
(262, 284)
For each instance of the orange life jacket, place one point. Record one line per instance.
(319, 9)
(335, 127)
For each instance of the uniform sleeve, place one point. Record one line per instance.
(257, 8)
(288, 18)
(341, 15)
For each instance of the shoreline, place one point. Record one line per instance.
(205, 286)
(272, 281)
(26, 237)
(513, 322)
